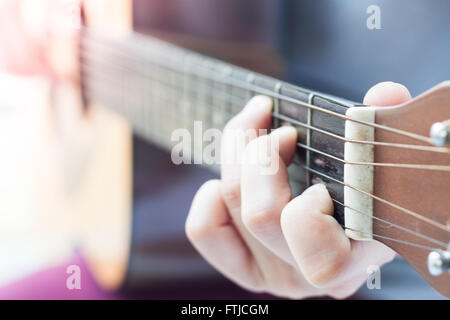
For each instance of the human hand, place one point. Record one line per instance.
(250, 229)
(38, 37)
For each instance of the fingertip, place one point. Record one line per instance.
(287, 141)
(321, 197)
(286, 133)
(315, 239)
(387, 94)
(199, 219)
(258, 104)
(318, 188)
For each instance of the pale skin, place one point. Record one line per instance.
(249, 228)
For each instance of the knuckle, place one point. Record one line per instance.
(288, 212)
(230, 190)
(252, 151)
(321, 274)
(259, 215)
(257, 219)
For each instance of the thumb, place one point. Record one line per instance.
(387, 94)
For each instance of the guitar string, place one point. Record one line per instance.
(214, 92)
(360, 191)
(413, 166)
(387, 202)
(268, 92)
(409, 212)
(384, 144)
(246, 85)
(335, 136)
(397, 165)
(420, 235)
(335, 157)
(243, 84)
(394, 239)
(377, 164)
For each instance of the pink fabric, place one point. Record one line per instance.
(51, 284)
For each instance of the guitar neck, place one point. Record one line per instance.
(159, 87)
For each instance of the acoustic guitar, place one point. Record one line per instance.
(387, 169)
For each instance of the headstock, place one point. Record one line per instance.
(422, 193)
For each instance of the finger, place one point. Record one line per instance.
(387, 94)
(324, 254)
(316, 240)
(210, 230)
(238, 132)
(266, 190)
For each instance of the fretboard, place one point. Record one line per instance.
(159, 87)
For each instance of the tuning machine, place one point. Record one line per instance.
(438, 262)
(439, 133)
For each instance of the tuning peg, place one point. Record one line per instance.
(439, 133)
(438, 262)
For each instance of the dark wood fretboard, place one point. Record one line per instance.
(159, 87)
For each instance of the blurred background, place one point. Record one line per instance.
(78, 188)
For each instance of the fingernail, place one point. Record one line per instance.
(258, 104)
(286, 132)
(316, 188)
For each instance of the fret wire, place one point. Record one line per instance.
(276, 103)
(312, 107)
(171, 100)
(228, 72)
(382, 220)
(357, 190)
(431, 167)
(187, 96)
(308, 140)
(213, 92)
(330, 178)
(277, 98)
(226, 96)
(219, 93)
(430, 239)
(413, 166)
(209, 98)
(246, 86)
(160, 112)
(250, 80)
